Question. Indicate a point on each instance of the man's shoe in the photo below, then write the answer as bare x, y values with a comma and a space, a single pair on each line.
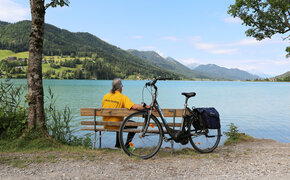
117, 147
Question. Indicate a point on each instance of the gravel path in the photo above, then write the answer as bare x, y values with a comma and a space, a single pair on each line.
259, 159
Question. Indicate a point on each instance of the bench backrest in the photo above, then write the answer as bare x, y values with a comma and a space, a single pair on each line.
123, 112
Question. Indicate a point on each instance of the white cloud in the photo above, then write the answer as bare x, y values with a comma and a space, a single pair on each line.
212, 48
232, 20
246, 42
171, 38
137, 37
226, 48
12, 12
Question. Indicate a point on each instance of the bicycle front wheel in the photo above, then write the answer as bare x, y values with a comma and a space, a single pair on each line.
205, 141
133, 142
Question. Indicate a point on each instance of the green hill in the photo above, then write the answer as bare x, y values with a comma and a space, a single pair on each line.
169, 64
104, 61
283, 77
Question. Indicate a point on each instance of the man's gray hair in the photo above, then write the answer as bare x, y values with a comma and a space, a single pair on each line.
116, 84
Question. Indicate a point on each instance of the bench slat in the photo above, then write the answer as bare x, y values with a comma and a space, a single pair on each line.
110, 123
117, 130
123, 112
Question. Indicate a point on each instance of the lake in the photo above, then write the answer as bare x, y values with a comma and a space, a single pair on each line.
260, 109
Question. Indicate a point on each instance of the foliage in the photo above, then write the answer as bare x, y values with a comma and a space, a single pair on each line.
59, 124
265, 17
13, 117
234, 136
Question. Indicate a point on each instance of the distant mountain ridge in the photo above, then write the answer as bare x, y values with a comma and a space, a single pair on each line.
169, 64
225, 73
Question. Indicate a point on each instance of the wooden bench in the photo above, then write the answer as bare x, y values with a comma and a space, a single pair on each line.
97, 125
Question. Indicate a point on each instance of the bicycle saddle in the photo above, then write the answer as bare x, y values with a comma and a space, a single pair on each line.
188, 95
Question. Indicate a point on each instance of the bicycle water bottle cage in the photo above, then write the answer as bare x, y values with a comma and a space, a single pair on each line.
188, 95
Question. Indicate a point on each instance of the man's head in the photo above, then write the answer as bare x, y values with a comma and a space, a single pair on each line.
116, 85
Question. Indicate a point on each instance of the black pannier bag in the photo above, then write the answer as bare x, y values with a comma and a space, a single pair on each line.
208, 118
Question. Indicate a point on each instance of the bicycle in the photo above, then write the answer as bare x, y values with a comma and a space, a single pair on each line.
150, 134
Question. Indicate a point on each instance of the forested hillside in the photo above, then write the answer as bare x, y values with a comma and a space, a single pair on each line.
2, 23
103, 61
283, 77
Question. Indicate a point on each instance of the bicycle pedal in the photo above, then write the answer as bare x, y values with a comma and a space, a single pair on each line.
167, 139
210, 136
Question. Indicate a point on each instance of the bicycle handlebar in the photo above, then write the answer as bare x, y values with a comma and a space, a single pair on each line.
152, 83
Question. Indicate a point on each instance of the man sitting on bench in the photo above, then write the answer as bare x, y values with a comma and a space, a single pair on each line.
115, 99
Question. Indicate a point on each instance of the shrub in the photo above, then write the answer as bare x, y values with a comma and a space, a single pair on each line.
13, 117
234, 136
58, 124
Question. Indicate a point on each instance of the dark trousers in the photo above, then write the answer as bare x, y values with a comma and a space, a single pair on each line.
130, 136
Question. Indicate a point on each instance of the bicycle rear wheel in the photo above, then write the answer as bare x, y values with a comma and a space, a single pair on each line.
131, 140
205, 141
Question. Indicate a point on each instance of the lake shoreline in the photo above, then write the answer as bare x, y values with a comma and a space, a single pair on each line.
259, 158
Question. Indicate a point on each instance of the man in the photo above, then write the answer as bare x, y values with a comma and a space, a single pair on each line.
115, 99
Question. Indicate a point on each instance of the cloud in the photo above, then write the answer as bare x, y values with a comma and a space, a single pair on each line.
232, 20
212, 48
170, 38
226, 48
12, 12
137, 37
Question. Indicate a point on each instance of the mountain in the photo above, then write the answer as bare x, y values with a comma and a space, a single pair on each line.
225, 73
193, 65
61, 42
283, 77
169, 64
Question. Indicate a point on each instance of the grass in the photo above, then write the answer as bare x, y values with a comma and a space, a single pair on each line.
63, 58
26, 150
6, 53
235, 137
241, 137
22, 54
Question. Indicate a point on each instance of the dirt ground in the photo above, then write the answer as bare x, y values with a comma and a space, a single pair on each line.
258, 159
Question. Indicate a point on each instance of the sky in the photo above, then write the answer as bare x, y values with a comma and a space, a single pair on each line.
190, 31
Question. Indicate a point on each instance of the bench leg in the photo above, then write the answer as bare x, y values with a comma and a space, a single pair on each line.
100, 139
95, 140
172, 144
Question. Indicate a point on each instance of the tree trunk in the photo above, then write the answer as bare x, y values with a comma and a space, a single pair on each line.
34, 72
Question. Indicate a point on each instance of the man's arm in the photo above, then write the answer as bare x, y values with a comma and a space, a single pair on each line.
139, 107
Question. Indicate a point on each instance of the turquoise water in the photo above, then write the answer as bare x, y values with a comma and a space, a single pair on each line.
260, 109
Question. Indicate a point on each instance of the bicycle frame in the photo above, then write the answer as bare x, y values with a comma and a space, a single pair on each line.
155, 105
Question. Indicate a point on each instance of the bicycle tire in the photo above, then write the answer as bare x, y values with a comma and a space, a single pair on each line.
143, 147
206, 140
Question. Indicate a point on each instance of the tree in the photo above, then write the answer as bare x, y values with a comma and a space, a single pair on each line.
34, 72
265, 17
